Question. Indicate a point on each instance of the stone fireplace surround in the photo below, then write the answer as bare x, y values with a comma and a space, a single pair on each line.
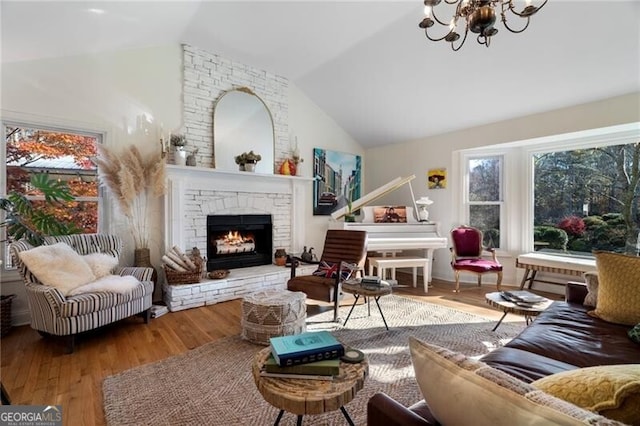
195, 192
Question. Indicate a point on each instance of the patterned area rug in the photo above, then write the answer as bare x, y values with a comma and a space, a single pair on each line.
213, 384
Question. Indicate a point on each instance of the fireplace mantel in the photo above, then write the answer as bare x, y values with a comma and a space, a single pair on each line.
241, 177
194, 192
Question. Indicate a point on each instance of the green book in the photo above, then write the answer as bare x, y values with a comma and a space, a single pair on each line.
326, 367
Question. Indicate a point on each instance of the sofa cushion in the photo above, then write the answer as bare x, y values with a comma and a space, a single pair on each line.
462, 391
565, 334
618, 288
612, 390
101, 264
99, 301
58, 266
524, 365
108, 284
316, 288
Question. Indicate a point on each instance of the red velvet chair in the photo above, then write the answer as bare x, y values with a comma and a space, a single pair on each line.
466, 255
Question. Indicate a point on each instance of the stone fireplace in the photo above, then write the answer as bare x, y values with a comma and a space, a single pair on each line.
198, 193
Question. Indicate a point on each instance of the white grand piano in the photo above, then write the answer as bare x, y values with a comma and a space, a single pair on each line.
389, 237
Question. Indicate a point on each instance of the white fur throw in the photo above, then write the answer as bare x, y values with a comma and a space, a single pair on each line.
110, 284
101, 264
59, 266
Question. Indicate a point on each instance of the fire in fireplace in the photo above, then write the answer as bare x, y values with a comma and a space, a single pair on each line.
238, 241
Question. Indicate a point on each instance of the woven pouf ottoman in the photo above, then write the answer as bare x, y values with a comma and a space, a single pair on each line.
272, 313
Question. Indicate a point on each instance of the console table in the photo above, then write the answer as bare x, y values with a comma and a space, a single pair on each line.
534, 262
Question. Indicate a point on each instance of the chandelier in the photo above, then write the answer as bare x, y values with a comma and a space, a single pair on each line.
479, 17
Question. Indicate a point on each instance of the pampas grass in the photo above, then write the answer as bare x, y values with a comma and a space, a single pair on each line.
133, 182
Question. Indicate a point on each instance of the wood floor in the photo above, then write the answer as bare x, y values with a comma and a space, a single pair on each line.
35, 370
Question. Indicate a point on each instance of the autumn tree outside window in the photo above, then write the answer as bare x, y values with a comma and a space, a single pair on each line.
64, 155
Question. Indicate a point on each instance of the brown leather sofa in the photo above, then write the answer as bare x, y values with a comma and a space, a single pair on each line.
562, 338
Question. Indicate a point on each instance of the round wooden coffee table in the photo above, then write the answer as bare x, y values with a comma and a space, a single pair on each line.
358, 289
306, 396
496, 300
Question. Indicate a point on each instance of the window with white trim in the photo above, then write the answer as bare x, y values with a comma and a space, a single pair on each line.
585, 184
485, 197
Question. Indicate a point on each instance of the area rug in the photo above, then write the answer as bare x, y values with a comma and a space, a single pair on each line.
213, 384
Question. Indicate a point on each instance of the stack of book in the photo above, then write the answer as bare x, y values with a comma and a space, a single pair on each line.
522, 298
371, 281
158, 310
311, 355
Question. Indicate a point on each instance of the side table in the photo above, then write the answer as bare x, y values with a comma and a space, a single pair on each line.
306, 396
496, 300
356, 288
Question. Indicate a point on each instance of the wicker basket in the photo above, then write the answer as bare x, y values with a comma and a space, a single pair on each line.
5, 314
176, 278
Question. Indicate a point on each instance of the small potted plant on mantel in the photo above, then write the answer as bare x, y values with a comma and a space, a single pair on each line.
180, 155
247, 161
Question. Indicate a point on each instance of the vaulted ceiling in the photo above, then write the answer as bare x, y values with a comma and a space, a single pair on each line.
365, 63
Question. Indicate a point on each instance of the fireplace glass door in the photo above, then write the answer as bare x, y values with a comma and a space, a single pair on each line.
238, 241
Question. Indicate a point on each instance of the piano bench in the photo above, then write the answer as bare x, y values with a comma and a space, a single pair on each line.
382, 263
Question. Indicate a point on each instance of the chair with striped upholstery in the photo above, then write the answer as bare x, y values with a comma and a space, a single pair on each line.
54, 314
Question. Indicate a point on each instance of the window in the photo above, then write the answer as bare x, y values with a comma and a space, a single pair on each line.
485, 196
587, 199
528, 194
65, 155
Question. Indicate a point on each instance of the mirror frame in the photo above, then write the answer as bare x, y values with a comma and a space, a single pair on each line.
248, 91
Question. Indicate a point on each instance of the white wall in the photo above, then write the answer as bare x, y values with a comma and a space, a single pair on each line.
416, 157
315, 129
125, 94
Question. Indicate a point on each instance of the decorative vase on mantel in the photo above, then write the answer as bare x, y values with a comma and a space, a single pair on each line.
180, 156
142, 258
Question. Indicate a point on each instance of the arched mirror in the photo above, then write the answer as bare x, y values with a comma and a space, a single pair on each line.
242, 123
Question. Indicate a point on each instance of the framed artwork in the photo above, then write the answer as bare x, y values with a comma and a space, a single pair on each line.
390, 214
338, 179
437, 178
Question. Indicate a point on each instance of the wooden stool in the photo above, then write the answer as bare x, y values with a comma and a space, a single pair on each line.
382, 263
272, 313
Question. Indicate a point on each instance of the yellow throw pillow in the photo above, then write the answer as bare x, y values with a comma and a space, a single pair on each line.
618, 288
611, 390
461, 391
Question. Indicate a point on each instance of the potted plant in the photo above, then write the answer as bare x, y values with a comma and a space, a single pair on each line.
180, 155
23, 220
247, 161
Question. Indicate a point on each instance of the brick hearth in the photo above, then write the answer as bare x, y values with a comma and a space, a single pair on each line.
239, 283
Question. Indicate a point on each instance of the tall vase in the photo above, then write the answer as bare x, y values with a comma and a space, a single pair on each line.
142, 258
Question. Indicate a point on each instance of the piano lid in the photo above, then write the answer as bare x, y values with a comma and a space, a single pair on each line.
376, 194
